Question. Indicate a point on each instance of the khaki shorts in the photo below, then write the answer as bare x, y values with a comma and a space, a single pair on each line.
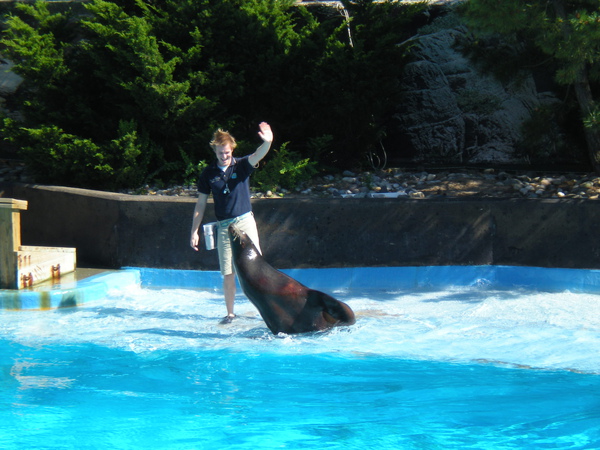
247, 224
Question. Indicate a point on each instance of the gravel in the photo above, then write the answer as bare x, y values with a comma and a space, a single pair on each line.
396, 183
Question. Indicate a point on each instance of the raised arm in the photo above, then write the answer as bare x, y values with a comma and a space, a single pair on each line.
266, 135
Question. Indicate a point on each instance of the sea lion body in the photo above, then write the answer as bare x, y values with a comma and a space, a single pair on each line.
285, 305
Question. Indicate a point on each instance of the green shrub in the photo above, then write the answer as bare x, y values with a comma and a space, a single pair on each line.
285, 169
593, 119
54, 156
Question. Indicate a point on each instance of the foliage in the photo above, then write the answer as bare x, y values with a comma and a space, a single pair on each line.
191, 169
350, 88
51, 154
543, 141
135, 88
541, 25
285, 169
593, 118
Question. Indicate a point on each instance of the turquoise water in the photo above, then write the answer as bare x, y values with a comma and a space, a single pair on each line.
86, 396
463, 367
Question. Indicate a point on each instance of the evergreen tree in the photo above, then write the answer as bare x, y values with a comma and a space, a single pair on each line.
131, 91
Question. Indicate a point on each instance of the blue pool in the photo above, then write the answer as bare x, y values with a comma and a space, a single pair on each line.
446, 357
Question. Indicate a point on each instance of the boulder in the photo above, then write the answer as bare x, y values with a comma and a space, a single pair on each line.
9, 81
452, 113
9, 84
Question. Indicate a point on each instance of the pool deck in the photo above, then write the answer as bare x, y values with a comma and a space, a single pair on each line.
88, 285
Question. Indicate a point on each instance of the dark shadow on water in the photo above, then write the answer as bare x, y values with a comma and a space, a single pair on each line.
476, 296
120, 312
180, 333
260, 333
254, 333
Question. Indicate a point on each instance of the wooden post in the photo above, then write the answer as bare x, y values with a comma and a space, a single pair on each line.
10, 240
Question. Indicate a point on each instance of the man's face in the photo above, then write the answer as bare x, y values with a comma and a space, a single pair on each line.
224, 154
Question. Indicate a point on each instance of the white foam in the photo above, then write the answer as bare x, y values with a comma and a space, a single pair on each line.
532, 329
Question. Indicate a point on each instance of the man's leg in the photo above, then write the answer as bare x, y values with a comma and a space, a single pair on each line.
226, 266
229, 290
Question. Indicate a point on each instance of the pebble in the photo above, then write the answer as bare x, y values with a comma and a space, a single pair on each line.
394, 183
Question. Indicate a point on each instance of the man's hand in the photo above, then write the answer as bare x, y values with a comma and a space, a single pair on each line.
266, 135
195, 239
265, 132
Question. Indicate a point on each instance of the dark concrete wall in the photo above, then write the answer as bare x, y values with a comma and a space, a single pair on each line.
114, 230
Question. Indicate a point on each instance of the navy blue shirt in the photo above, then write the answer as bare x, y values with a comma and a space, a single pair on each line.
230, 189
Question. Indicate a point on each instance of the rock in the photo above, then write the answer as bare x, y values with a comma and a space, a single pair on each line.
452, 113
526, 189
9, 81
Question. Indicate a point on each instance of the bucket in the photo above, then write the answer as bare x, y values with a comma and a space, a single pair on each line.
209, 230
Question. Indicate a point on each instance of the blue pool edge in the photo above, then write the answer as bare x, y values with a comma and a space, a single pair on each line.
399, 278
330, 279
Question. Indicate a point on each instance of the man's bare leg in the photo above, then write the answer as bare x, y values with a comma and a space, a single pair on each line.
229, 290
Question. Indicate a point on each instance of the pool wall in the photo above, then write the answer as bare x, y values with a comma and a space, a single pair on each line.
331, 280
398, 278
115, 230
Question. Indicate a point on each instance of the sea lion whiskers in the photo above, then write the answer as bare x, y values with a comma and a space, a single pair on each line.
236, 234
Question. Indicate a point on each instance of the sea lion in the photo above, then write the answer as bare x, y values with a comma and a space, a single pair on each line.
285, 305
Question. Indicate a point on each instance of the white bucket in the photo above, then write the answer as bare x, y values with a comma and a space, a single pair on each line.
210, 238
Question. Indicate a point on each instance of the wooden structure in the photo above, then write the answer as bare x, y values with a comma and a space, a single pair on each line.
24, 266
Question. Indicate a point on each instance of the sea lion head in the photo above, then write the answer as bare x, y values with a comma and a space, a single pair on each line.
241, 243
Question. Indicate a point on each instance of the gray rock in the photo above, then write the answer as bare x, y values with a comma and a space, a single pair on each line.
9, 81
452, 113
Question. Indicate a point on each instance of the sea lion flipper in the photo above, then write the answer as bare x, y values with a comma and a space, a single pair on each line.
329, 318
334, 311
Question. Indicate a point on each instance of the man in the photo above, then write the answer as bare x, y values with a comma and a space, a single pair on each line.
228, 179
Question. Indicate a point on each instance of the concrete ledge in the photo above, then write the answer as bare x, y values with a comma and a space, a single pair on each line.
117, 230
